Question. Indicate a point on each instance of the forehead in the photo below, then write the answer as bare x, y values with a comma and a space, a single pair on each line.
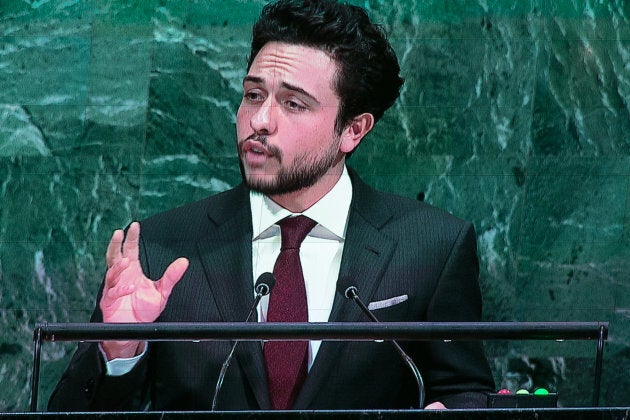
298, 65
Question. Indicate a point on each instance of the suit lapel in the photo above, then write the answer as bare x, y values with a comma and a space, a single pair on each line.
226, 255
366, 255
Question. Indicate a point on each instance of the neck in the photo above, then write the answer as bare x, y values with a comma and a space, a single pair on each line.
301, 200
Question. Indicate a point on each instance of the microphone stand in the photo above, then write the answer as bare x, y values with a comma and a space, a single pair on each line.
351, 292
263, 286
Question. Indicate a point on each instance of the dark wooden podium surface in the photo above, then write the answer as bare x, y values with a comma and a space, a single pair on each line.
603, 413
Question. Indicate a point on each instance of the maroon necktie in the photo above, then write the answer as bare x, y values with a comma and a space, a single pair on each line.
287, 360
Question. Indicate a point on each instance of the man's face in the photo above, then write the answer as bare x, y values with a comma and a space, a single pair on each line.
286, 121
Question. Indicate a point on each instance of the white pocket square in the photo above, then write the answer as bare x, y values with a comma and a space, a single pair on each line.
380, 304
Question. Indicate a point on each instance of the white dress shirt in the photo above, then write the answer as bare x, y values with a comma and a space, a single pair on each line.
320, 253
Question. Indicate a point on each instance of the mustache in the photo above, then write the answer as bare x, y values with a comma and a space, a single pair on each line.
262, 139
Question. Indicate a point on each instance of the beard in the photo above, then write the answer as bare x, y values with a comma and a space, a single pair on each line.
304, 172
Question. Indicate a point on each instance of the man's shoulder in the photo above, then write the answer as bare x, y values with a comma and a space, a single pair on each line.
193, 216
400, 208
408, 210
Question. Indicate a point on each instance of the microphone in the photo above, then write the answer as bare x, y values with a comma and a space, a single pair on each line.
349, 291
263, 287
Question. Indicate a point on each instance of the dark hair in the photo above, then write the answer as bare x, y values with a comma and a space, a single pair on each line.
368, 77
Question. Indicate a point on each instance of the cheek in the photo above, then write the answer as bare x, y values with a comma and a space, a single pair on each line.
323, 139
242, 119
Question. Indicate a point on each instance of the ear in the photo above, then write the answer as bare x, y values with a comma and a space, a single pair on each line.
354, 132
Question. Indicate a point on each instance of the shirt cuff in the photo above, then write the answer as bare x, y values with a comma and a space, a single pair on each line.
119, 367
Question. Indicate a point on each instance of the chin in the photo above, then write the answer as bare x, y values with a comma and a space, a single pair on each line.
261, 183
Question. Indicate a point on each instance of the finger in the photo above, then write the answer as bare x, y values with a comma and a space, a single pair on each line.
435, 406
120, 291
173, 274
114, 249
114, 273
130, 246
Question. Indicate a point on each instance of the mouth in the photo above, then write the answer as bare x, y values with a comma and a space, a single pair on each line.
259, 147
255, 148
255, 152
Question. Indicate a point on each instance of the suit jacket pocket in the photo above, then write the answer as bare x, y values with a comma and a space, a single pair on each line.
394, 309
386, 303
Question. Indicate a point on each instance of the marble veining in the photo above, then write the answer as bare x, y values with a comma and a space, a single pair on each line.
515, 115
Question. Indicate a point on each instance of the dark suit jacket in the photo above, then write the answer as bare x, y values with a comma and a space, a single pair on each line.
394, 246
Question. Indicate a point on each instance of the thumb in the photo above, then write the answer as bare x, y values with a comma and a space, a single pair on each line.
173, 274
435, 406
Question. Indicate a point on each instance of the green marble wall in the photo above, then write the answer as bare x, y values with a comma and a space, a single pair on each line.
515, 115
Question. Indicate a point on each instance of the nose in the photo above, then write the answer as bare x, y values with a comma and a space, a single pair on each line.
263, 121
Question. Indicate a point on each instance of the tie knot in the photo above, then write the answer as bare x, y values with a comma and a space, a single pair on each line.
294, 230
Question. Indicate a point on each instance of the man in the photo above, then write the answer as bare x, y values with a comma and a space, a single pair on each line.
320, 75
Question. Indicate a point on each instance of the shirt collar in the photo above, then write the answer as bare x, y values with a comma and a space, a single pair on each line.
330, 212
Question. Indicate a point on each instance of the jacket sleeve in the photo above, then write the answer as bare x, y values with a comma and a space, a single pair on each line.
85, 385
457, 373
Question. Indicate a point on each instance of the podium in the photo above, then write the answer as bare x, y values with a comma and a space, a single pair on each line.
360, 331
610, 413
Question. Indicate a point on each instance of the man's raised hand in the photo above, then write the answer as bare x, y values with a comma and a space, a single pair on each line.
128, 295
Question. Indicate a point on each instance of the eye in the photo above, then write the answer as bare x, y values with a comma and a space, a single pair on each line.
294, 106
253, 96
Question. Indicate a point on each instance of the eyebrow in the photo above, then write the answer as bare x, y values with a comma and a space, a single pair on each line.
285, 85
